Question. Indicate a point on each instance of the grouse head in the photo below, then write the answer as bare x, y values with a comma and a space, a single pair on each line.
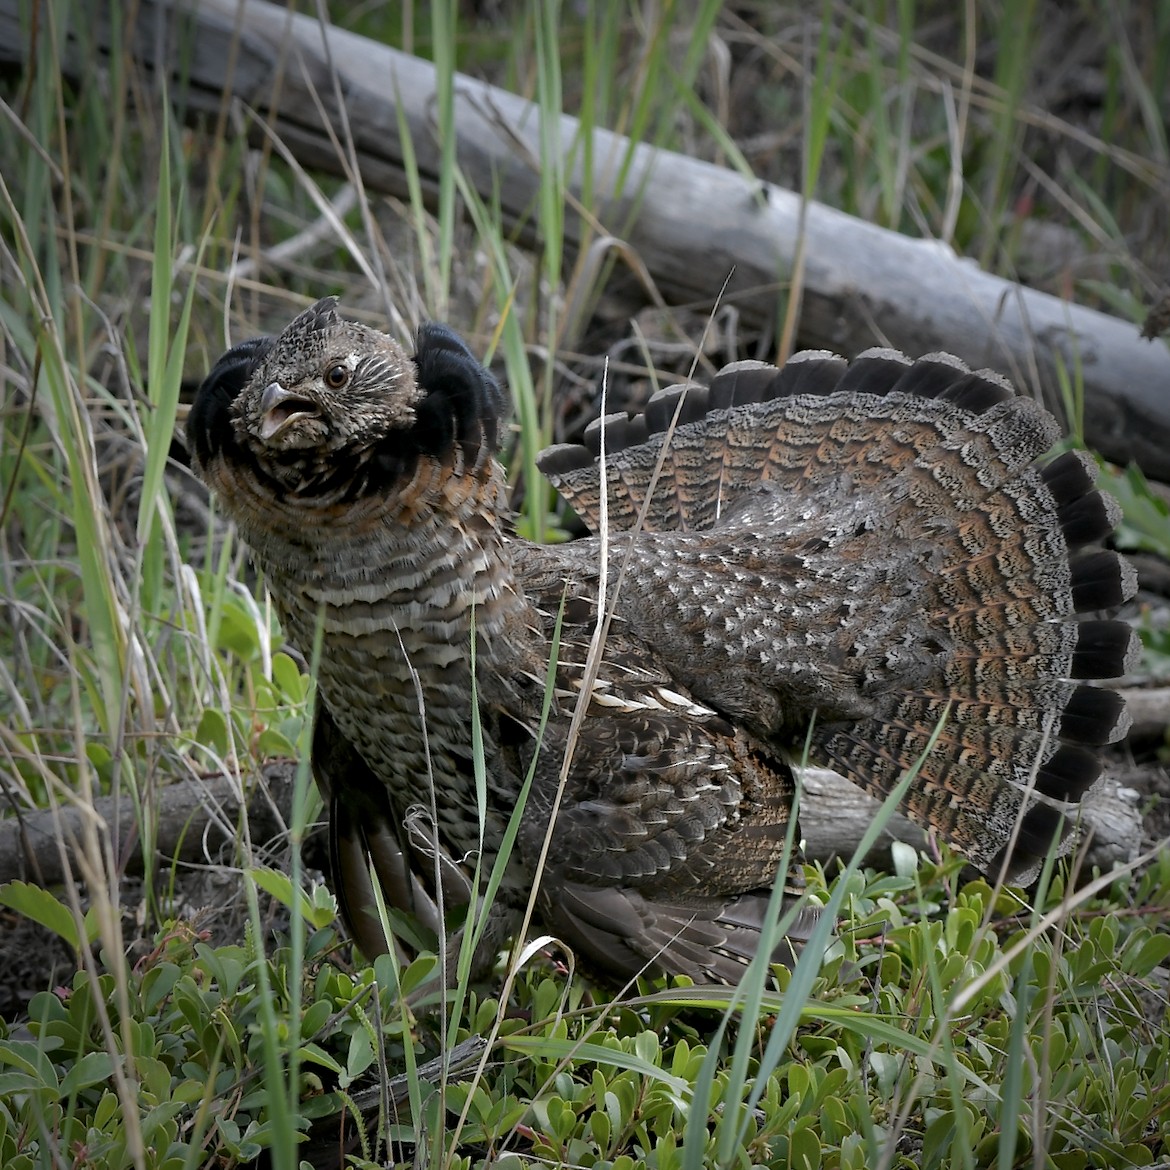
333, 405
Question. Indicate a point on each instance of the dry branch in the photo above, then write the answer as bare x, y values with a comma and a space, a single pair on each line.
196, 821
197, 824
1149, 708
690, 222
835, 814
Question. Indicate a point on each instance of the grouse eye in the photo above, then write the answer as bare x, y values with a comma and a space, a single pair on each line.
336, 377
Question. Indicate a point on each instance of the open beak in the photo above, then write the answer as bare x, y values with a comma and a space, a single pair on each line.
279, 407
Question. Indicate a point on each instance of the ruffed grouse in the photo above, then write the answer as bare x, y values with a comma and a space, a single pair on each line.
878, 544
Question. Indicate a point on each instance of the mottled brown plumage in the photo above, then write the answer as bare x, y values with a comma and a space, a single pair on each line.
877, 547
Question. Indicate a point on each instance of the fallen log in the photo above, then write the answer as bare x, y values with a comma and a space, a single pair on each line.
1149, 708
196, 823
690, 222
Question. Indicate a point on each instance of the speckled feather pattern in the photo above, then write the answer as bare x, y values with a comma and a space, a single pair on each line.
889, 560
880, 544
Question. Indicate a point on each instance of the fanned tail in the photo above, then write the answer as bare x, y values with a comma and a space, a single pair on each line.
1019, 729
981, 641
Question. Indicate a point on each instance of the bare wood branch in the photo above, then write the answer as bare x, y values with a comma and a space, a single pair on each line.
690, 222
1149, 708
835, 814
196, 822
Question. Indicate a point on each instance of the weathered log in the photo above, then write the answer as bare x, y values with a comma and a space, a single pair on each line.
196, 822
1149, 709
691, 223
835, 814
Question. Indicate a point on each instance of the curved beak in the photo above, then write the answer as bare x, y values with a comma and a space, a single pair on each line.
278, 408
